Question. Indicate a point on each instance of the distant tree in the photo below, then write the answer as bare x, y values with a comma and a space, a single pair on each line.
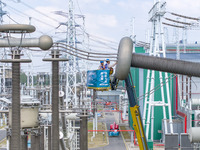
23, 78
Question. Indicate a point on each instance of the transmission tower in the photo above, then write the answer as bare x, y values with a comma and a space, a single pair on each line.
72, 64
75, 66
157, 36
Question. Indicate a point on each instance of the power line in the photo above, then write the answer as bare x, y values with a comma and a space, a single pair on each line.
58, 44
156, 88
12, 19
32, 17
92, 56
173, 25
187, 17
103, 43
79, 7
186, 23
98, 37
39, 12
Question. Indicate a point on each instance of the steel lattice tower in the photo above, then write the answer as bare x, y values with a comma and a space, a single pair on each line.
157, 36
72, 64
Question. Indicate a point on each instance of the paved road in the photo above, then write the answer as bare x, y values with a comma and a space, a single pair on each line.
115, 143
2, 134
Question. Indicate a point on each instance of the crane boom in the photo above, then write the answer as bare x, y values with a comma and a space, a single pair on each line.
135, 113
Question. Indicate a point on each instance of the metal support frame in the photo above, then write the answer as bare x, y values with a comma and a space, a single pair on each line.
156, 14
63, 122
55, 98
72, 65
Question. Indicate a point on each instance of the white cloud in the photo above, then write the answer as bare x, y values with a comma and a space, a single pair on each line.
184, 6
95, 22
106, 1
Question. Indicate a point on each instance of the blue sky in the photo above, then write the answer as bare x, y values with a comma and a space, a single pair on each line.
106, 19
110, 19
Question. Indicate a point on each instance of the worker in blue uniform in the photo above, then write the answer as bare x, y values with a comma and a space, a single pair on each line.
101, 66
108, 65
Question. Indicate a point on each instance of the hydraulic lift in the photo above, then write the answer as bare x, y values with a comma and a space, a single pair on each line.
135, 113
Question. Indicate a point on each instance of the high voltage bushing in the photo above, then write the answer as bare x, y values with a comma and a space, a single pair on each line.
44, 43
126, 60
55, 97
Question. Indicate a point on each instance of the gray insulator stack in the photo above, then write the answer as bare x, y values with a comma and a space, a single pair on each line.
55, 105
15, 135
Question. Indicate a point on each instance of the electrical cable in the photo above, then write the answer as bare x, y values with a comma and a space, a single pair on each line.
12, 19
23, 14
87, 55
187, 17
57, 43
156, 88
33, 17
25, 4
91, 45
186, 23
98, 37
103, 44
173, 25
79, 7
82, 57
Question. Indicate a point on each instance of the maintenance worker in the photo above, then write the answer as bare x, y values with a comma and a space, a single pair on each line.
114, 81
108, 65
101, 66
